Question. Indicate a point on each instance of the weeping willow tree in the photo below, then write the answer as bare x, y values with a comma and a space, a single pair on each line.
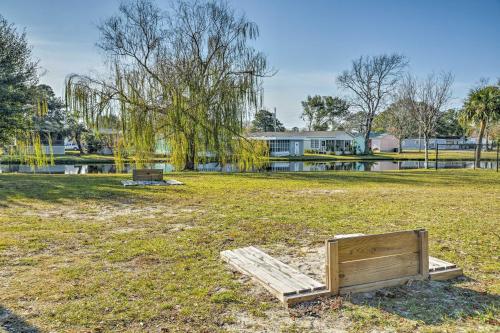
188, 77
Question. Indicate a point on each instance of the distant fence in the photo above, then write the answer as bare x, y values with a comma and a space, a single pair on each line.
468, 147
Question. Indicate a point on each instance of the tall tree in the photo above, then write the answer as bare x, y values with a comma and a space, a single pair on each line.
425, 99
322, 112
481, 107
18, 77
448, 124
265, 121
370, 81
399, 121
188, 75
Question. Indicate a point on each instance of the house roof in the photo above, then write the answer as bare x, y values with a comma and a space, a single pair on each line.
299, 135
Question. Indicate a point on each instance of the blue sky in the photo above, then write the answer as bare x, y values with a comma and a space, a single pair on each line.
308, 42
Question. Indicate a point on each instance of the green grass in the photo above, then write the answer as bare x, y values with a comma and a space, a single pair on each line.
83, 253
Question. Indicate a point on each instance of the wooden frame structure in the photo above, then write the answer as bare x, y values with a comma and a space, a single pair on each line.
368, 262
354, 263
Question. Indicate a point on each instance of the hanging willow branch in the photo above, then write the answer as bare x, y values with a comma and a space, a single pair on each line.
187, 76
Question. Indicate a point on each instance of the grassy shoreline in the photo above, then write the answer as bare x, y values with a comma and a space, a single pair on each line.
75, 158
83, 253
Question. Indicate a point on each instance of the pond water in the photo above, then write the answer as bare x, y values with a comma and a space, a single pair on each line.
297, 166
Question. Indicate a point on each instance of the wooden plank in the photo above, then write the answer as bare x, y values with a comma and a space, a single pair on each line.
294, 299
340, 236
447, 274
378, 285
378, 269
423, 254
147, 174
282, 284
333, 267
274, 286
371, 246
291, 273
436, 264
272, 271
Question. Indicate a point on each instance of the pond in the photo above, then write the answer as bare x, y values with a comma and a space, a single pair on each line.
295, 166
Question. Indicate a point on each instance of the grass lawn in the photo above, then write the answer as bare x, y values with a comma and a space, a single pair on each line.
84, 254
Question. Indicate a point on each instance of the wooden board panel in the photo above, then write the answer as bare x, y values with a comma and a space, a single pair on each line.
279, 278
286, 269
294, 277
269, 282
378, 269
147, 174
378, 285
371, 246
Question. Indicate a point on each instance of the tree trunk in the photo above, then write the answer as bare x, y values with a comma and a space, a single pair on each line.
426, 151
419, 139
400, 149
190, 157
479, 145
367, 141
78, 140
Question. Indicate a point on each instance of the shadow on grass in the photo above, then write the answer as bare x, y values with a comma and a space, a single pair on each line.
433, 302
411, 177
12, 323
57, 188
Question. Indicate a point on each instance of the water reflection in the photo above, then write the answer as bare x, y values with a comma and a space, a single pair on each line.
271, 167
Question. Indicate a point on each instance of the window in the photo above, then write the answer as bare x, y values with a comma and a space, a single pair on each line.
314, 144
279, 146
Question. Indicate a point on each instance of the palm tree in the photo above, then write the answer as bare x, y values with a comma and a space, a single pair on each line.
481, 107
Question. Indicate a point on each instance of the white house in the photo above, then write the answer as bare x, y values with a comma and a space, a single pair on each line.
296, 143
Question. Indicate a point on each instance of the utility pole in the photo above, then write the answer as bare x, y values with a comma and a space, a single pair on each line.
275, 119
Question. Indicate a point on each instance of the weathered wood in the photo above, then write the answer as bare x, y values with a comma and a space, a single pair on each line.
294, 278
147, 174
274, 286
378, 285
372, 246
333, 266
354, 263
287, 270
446, 274
294, 299
423, 254
280, 279
436, 264
378, 269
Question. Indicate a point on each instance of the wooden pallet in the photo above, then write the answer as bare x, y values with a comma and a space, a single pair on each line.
280, 279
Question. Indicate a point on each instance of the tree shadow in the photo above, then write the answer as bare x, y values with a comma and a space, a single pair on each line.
60, 188
13, 323
432, 302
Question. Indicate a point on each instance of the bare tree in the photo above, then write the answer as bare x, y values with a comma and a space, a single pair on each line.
425, 99
371, 80
398, 121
